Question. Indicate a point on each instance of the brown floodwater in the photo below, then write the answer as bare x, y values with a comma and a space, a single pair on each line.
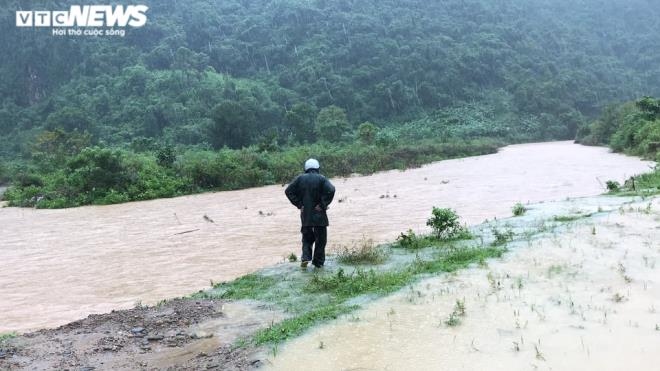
61, 265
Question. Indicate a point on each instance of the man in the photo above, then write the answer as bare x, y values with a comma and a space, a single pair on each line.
311, 192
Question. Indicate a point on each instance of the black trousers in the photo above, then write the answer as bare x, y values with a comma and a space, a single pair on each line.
317, 236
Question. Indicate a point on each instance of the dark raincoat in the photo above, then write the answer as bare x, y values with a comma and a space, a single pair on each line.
306, 192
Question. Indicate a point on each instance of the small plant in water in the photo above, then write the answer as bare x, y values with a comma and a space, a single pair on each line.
459, 307
539, 355
453, 320
613, 186
293, 258
519, 283
501, 237
519, 209
455, 316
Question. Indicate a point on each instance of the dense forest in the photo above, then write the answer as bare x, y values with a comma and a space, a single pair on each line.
235, 93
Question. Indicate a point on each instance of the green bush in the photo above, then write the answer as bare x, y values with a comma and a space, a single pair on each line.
613, 186
445, 223
519, 209
410, 240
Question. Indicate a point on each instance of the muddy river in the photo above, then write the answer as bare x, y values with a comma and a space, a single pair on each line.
60, 265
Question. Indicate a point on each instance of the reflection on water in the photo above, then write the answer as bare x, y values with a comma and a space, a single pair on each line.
60, 265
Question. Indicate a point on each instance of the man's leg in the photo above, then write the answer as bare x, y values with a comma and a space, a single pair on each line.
321, 237
307, 241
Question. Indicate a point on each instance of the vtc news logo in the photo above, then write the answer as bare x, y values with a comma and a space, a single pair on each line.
85, 16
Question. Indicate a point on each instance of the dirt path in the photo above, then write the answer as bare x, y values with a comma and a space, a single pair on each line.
57, 266
178, 334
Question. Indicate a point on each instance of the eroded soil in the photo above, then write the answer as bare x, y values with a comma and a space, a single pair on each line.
177, 334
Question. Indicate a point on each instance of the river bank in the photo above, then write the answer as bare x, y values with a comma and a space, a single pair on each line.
564, 294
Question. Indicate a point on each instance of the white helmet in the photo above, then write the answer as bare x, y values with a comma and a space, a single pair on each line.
312, 164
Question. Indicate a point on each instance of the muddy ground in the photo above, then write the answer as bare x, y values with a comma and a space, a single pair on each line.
177, 335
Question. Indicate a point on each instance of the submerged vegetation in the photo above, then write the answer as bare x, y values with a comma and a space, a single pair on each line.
310, 298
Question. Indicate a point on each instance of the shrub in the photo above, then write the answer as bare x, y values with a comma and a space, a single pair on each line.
445, 224
613, 186
410, 240
519, 209
367, 132
165, 156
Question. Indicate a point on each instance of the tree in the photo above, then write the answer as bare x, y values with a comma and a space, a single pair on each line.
97, 170
57, 145
331, 124
233, 125
300, 120
68, 119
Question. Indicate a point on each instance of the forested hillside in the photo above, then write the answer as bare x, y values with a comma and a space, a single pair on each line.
278, 76
632, 127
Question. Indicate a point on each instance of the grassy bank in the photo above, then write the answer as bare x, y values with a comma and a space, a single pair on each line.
316, 297
362, 273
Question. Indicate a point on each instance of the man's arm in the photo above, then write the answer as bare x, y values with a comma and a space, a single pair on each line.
293, 194
327, 194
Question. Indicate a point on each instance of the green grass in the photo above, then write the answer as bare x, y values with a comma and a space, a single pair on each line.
246, 287
313, 298
365, 252
295, 326
567, 218
412, 241
456, 259
309, 298
7, 335
344, 286
647, 184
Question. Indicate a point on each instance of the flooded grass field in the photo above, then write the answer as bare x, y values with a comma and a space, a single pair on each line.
581, 297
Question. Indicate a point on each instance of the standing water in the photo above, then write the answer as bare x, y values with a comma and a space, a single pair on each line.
577, 299
60, 265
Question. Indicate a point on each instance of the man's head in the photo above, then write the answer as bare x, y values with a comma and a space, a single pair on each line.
312, 165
